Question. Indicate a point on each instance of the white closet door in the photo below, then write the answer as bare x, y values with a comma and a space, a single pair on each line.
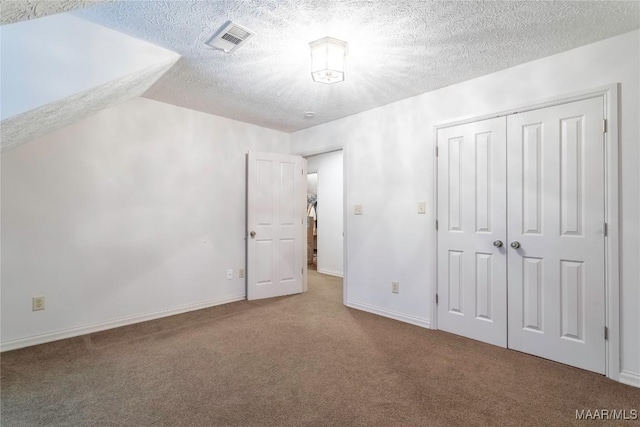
556, 214
471, 216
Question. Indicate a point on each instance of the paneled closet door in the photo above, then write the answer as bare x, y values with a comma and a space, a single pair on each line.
556, 249
472, 231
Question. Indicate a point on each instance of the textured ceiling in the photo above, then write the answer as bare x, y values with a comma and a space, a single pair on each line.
397, 49
20, 10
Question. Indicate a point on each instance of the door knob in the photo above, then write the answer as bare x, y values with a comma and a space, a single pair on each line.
515, 244
252, 234
497, 243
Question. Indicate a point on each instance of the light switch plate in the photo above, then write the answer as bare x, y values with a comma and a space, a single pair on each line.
422, 208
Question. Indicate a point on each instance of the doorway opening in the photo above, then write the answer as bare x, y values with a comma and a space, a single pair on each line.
312, 221
325, 213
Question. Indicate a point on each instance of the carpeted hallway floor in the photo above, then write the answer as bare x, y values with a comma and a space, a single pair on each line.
303, 360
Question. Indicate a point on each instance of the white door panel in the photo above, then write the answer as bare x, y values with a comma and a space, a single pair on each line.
275, 223
534, 179
556, 213
471, 216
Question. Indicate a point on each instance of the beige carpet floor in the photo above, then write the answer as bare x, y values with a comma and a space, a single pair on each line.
303, 360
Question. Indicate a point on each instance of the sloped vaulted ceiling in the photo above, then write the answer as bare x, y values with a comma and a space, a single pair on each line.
21, 128
60, 69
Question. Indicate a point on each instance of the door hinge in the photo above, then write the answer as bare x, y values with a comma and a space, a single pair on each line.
437, 151
302, 270
436, 224
436, 299
604, 125
606, 333
606, 229
301, 171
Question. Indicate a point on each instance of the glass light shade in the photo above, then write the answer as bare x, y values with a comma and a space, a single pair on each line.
327, 60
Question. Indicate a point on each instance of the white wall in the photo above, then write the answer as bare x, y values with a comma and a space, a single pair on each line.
133, 213
389, 161
329, 167
312, 183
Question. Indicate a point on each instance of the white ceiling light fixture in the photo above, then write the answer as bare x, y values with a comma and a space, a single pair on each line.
327, 60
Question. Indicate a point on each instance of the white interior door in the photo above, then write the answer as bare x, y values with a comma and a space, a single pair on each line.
556, 216
534, 181
276, 210
472, 298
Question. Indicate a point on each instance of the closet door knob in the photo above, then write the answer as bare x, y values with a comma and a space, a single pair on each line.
252, 234
515, 244
497, 243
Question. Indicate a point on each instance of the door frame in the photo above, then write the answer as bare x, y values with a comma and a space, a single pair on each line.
610, 94
345, 264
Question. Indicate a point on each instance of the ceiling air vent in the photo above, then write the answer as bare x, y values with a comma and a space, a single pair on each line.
230, 37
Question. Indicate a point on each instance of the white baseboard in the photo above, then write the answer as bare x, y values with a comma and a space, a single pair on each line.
418, 321
630, 378
116, 323
330, 273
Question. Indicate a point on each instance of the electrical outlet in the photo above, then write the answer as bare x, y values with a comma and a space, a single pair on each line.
241, 273
37, 303
357, 209
395, 287
229, 273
